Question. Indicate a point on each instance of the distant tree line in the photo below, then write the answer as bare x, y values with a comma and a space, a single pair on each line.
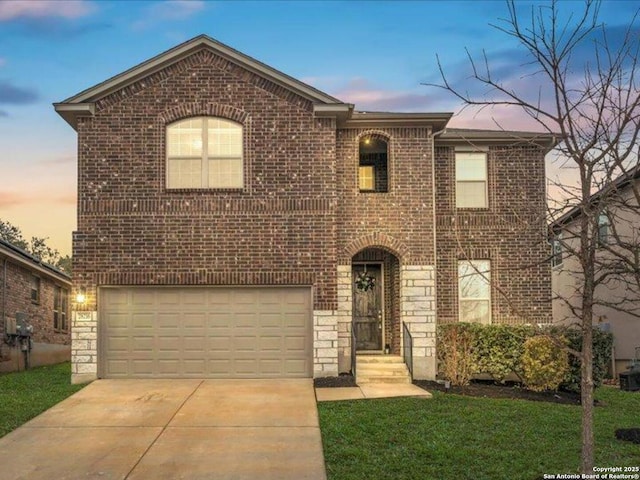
37, 247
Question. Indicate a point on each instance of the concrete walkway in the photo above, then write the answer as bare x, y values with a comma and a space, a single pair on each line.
371, 390
172, 429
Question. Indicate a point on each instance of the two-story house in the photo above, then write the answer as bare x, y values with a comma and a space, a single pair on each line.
235, 222
614, 213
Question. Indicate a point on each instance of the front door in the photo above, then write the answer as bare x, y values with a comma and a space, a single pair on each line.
367, 306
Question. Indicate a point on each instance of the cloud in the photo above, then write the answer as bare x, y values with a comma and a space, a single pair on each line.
496, 118
68, 159
4, 113
11, 94
10, 198
169, 10
41, 9
368, 97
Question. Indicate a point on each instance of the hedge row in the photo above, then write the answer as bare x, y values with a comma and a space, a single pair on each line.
537, 357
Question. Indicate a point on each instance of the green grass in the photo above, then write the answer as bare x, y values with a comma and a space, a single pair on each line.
456, 437
23, 395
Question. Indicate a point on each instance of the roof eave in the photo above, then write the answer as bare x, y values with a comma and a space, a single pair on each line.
544, 140
340, 111
437, 121
28, 261
71, 112
620, 183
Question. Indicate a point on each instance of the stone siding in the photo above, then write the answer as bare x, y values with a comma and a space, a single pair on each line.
418, 305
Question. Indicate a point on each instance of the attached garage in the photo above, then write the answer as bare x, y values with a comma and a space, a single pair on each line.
205, 332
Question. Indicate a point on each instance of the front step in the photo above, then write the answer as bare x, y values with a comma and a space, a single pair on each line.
381, 369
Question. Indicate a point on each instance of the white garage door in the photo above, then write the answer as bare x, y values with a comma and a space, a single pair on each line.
198, 332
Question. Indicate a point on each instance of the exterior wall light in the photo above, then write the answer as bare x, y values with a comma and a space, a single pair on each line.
81, 296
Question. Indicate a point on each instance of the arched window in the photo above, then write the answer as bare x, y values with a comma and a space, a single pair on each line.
204, 152
372, 172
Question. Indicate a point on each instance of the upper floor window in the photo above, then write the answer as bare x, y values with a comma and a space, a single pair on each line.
204, 152
35, 289
474, 291
60, 307
471, 180
372, 172
604, 226
556, 250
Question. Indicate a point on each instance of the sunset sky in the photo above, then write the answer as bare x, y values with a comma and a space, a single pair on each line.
374, 54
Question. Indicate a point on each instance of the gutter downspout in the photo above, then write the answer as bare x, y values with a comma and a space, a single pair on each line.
4, 301
435, 226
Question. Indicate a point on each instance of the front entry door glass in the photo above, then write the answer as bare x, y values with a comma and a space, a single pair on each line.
367, 306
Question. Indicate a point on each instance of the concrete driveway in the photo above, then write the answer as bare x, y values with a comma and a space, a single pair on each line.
172, 429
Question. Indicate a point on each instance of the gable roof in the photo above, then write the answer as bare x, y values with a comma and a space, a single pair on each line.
616, 185
81, 104
26, 260
324, 105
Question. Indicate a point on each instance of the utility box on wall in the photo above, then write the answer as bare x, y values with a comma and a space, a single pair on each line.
9, 326
630, 380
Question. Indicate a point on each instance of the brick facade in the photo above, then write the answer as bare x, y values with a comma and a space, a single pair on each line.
49, 346
511, 233
300, 218
279, 229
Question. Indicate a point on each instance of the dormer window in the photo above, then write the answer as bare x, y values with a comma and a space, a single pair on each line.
372, 171
204, 152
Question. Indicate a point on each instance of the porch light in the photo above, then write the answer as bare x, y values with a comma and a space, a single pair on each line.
81, 296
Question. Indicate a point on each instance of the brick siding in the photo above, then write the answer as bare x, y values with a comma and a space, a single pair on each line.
300, 218
279, 229
511, 233
39, 314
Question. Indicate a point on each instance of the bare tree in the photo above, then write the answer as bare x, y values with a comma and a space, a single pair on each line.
579, 80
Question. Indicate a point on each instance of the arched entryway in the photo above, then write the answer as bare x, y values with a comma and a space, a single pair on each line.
376, 320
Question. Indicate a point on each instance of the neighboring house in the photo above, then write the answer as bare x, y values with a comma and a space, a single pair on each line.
236, 222
618, 219
38, 294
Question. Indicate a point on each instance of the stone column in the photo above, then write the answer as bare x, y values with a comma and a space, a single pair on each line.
418, 311
325, 343
84, 347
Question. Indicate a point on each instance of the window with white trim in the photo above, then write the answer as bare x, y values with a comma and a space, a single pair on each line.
556, 250
471, 180
474, 291
603, 228
204, 152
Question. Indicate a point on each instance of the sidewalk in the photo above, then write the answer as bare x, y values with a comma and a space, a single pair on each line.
370, 390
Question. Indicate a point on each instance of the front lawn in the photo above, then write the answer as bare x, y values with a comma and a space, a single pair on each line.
23, 395
456, 437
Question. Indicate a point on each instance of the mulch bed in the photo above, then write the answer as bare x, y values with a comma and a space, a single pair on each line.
489, 389
629, 434
344, 380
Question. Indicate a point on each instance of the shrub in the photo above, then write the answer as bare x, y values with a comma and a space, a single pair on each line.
602, 345
544, 363
498, 349
455, 352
